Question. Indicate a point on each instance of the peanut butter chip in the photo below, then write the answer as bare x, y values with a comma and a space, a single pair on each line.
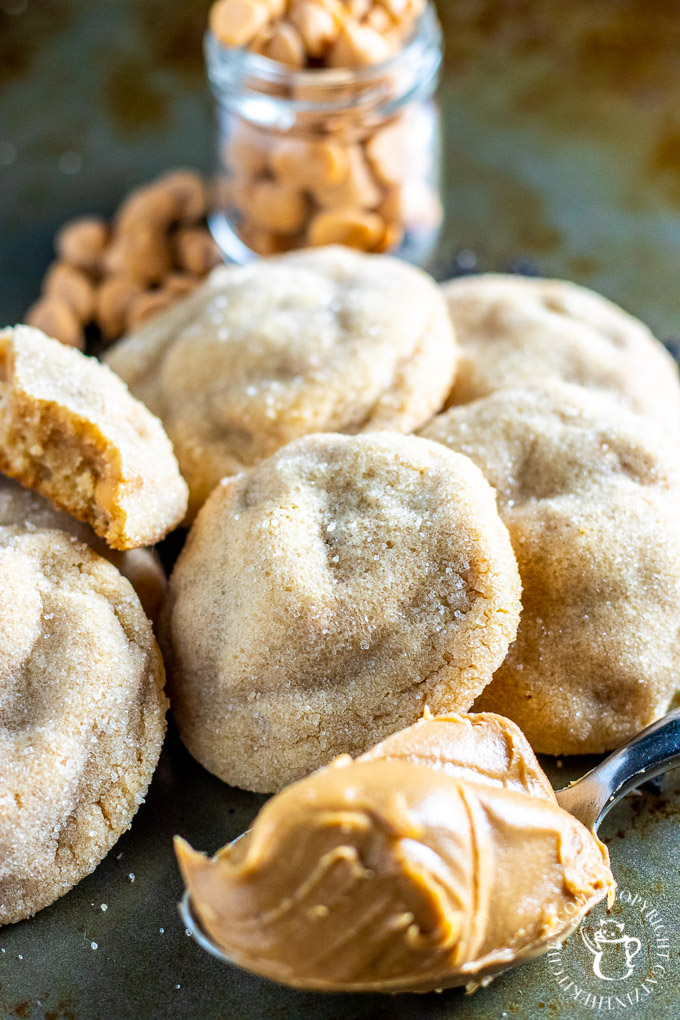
261, 41
379, 20
391, 239
72, 286
400, 9
114, 298
359, 46
56, 318
236, 22
310, 164
81, 243
316, 25
275, 7
276, 207
143, 254
195, 250
152, 204
285, 46
357, 189
351, 227
359, 9
188, 191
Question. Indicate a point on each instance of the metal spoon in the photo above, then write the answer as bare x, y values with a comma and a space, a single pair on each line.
654, 750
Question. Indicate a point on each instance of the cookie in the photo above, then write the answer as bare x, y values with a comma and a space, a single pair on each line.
518, 332
591, 497
142, 567
70, 430
82, 714
327, 596
420, 865
324, 341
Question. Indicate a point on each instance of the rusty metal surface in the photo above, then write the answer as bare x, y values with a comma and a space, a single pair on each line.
563, 155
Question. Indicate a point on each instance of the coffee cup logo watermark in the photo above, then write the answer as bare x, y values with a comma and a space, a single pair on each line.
615, 961
613, 951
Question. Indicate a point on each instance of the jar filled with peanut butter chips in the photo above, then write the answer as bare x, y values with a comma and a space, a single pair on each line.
327, 129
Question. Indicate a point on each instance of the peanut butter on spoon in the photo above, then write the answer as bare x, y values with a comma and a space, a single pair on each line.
438, 858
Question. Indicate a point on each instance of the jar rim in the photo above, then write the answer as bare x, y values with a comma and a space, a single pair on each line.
228, 66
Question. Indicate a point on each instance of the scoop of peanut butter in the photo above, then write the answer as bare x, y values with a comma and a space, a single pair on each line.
437, 858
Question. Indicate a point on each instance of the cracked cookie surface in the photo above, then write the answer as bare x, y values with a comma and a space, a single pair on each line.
327, 596
70, 429
591, 497
328, 340
82, 714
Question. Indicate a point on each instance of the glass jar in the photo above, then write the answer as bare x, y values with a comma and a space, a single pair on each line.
326, 156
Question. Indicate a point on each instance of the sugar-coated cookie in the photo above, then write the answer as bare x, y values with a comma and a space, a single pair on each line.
591, 498
327, 596
324, 341
70, 429
142, 567
518, 332
82, 714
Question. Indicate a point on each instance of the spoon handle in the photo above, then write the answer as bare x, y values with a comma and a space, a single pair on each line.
652, 751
